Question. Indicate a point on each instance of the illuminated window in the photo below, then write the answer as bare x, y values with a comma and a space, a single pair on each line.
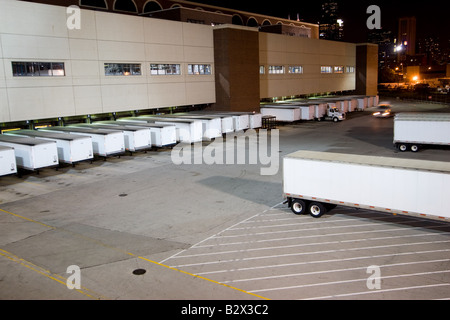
326, 69
295, 69
165, 69
262, 70
350, 69
276, 69
338, 69
38, 69
199, 69
122, 69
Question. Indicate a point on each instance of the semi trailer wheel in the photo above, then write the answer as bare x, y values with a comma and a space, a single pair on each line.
298, 206
402, 147
317, 209
414, 148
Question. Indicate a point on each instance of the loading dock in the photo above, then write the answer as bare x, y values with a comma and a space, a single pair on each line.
71, 148
8, 163
31, 154
135, 139
104, 142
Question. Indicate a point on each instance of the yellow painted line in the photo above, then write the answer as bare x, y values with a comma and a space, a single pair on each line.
27, 219
48, 274
131, 254
203, 278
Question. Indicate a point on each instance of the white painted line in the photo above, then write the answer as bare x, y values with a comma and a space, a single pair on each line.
301, 230
322, 261
380, 291
311, 253
352, 280
322, 235
215, 235
334, 270
300, 245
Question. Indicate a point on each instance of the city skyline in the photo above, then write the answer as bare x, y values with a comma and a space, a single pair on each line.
431, 18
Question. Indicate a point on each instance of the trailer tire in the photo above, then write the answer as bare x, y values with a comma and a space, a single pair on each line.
317, 209
402, 147
298, 206
414, 148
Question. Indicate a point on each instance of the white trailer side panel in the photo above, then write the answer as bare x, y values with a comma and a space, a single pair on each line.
284, 114
8, 163
393, 185
431, 128
307, 112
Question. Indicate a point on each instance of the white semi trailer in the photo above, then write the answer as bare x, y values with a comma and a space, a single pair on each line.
8, 163
315, 182
415, 130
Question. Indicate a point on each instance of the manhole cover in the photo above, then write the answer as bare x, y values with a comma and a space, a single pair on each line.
139, 272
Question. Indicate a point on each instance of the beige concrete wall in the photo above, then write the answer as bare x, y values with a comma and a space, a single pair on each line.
288, 51
37, 32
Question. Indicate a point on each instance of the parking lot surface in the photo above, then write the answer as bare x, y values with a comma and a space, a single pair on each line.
141, 227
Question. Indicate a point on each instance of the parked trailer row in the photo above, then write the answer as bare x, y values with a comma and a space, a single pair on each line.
104, 142
135, 138
333, 108
162, 135
315, 182
71, 148
187, 130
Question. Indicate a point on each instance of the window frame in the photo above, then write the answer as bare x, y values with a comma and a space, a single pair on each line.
165, 69
326, 69
276, 69
295, 69
124, 69
203, 69
38, 69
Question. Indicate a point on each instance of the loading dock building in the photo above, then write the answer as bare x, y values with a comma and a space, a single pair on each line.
162, 54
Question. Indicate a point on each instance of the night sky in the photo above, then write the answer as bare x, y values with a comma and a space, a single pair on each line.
432, 16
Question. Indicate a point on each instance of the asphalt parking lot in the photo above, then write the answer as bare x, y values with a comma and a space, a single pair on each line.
140, 227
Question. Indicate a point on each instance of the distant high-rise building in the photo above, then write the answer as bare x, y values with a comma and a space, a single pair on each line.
331, 27
406, 41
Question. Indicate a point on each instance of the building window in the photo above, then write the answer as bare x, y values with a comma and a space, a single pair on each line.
338, 69
295, 69
326, 69
350, 69
38, 69
262, 70
125, 5
165, 69
122, 69
276, 69
199, 69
